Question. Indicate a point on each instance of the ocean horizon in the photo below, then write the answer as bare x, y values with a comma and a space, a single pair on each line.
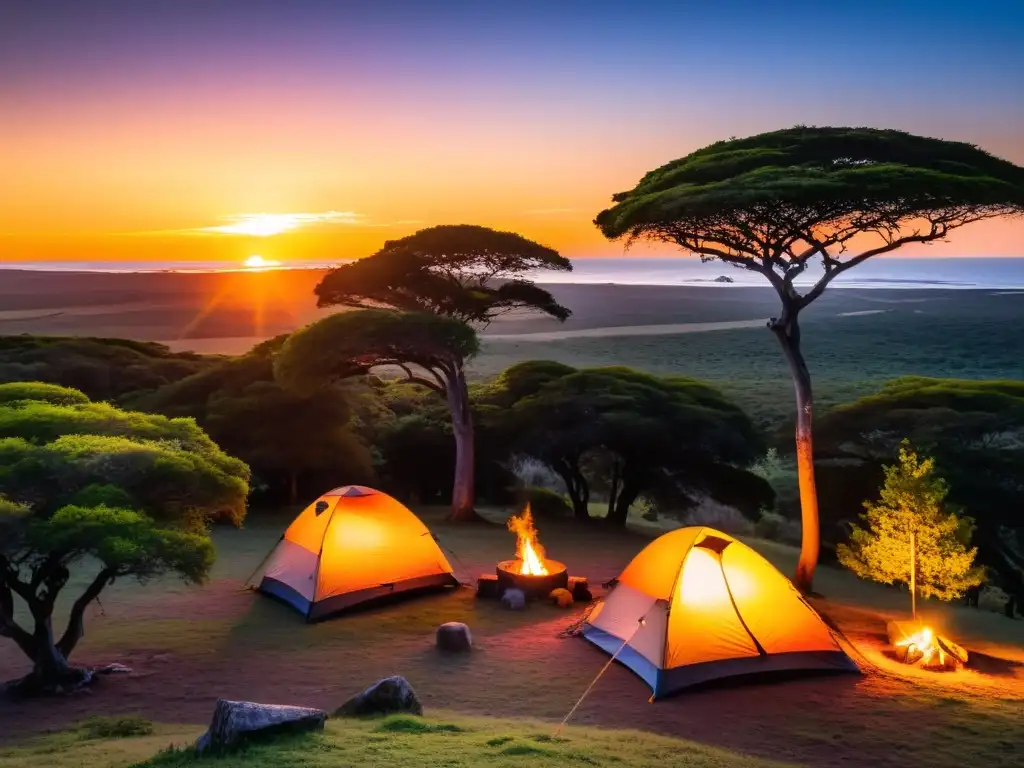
887, 272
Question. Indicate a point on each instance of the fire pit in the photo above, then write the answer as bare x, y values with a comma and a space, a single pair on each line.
511, 574
530, 571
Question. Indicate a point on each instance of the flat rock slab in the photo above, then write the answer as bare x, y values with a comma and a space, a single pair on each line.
234, 721
387, 696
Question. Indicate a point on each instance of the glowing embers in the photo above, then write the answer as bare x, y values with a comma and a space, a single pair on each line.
919, 645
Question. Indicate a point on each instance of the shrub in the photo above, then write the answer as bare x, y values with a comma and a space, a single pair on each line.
776, 527
715, 515
545, 503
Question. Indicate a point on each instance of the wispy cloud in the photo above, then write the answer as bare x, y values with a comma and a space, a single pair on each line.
270, 224
549, 211
267, 224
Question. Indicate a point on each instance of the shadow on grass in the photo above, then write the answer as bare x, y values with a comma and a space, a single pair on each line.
992, 665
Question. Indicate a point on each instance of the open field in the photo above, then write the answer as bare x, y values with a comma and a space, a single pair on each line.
854, 339
189, 646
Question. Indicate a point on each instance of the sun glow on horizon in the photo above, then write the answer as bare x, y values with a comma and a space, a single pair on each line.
258, 262
269, 224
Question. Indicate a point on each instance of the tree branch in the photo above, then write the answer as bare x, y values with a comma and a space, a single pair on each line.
414, 379
8, 626
76, 624
937, 232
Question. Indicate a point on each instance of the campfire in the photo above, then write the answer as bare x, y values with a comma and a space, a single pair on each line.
531, 571
529, 552
922, 646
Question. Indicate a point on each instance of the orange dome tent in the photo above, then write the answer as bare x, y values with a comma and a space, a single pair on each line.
351, 545
697, 605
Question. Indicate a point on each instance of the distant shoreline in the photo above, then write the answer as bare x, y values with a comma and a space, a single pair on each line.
865, 283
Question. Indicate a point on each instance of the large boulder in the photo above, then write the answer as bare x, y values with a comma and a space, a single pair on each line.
454, 637
392, 694
235, 721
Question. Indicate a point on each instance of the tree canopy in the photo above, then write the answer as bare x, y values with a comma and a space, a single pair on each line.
669, 436
467, 272
85, 485
293, 441
103, 369
774, 201
422, 345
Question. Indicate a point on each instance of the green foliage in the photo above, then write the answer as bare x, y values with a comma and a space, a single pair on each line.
40, 392
122, 540
546, 503
104, 369
465, 272
829, 177
640, 433
911, 504
353, 343
292, 441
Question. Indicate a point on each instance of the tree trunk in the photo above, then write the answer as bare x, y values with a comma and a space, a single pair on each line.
457, 392
293, 486
613, 489
51, 672
577, 487
628, 493
787, 331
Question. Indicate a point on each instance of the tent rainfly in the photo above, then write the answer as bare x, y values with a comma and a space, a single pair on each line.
352, 545
697, 605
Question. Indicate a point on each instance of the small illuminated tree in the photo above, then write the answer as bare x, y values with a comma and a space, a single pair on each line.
909, 538
777, 202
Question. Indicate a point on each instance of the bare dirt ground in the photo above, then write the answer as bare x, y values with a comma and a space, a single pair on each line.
189, 646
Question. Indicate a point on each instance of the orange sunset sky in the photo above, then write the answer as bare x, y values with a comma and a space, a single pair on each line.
157, 131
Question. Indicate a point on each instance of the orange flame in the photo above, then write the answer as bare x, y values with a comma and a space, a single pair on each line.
528, 550
924, 642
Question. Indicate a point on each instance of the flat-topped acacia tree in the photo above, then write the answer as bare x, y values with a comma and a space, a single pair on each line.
777, 202
468, 274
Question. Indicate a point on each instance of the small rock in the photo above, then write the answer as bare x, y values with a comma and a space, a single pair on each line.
561, 597
113, 669
392, 694
514, 599
235, 720
454, 637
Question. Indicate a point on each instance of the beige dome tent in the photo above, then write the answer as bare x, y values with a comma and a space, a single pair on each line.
696, 605
351, 545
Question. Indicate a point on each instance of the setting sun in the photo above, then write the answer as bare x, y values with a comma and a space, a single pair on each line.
258, 262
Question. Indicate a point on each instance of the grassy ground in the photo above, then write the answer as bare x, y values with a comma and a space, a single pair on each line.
189, 646
448, 740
